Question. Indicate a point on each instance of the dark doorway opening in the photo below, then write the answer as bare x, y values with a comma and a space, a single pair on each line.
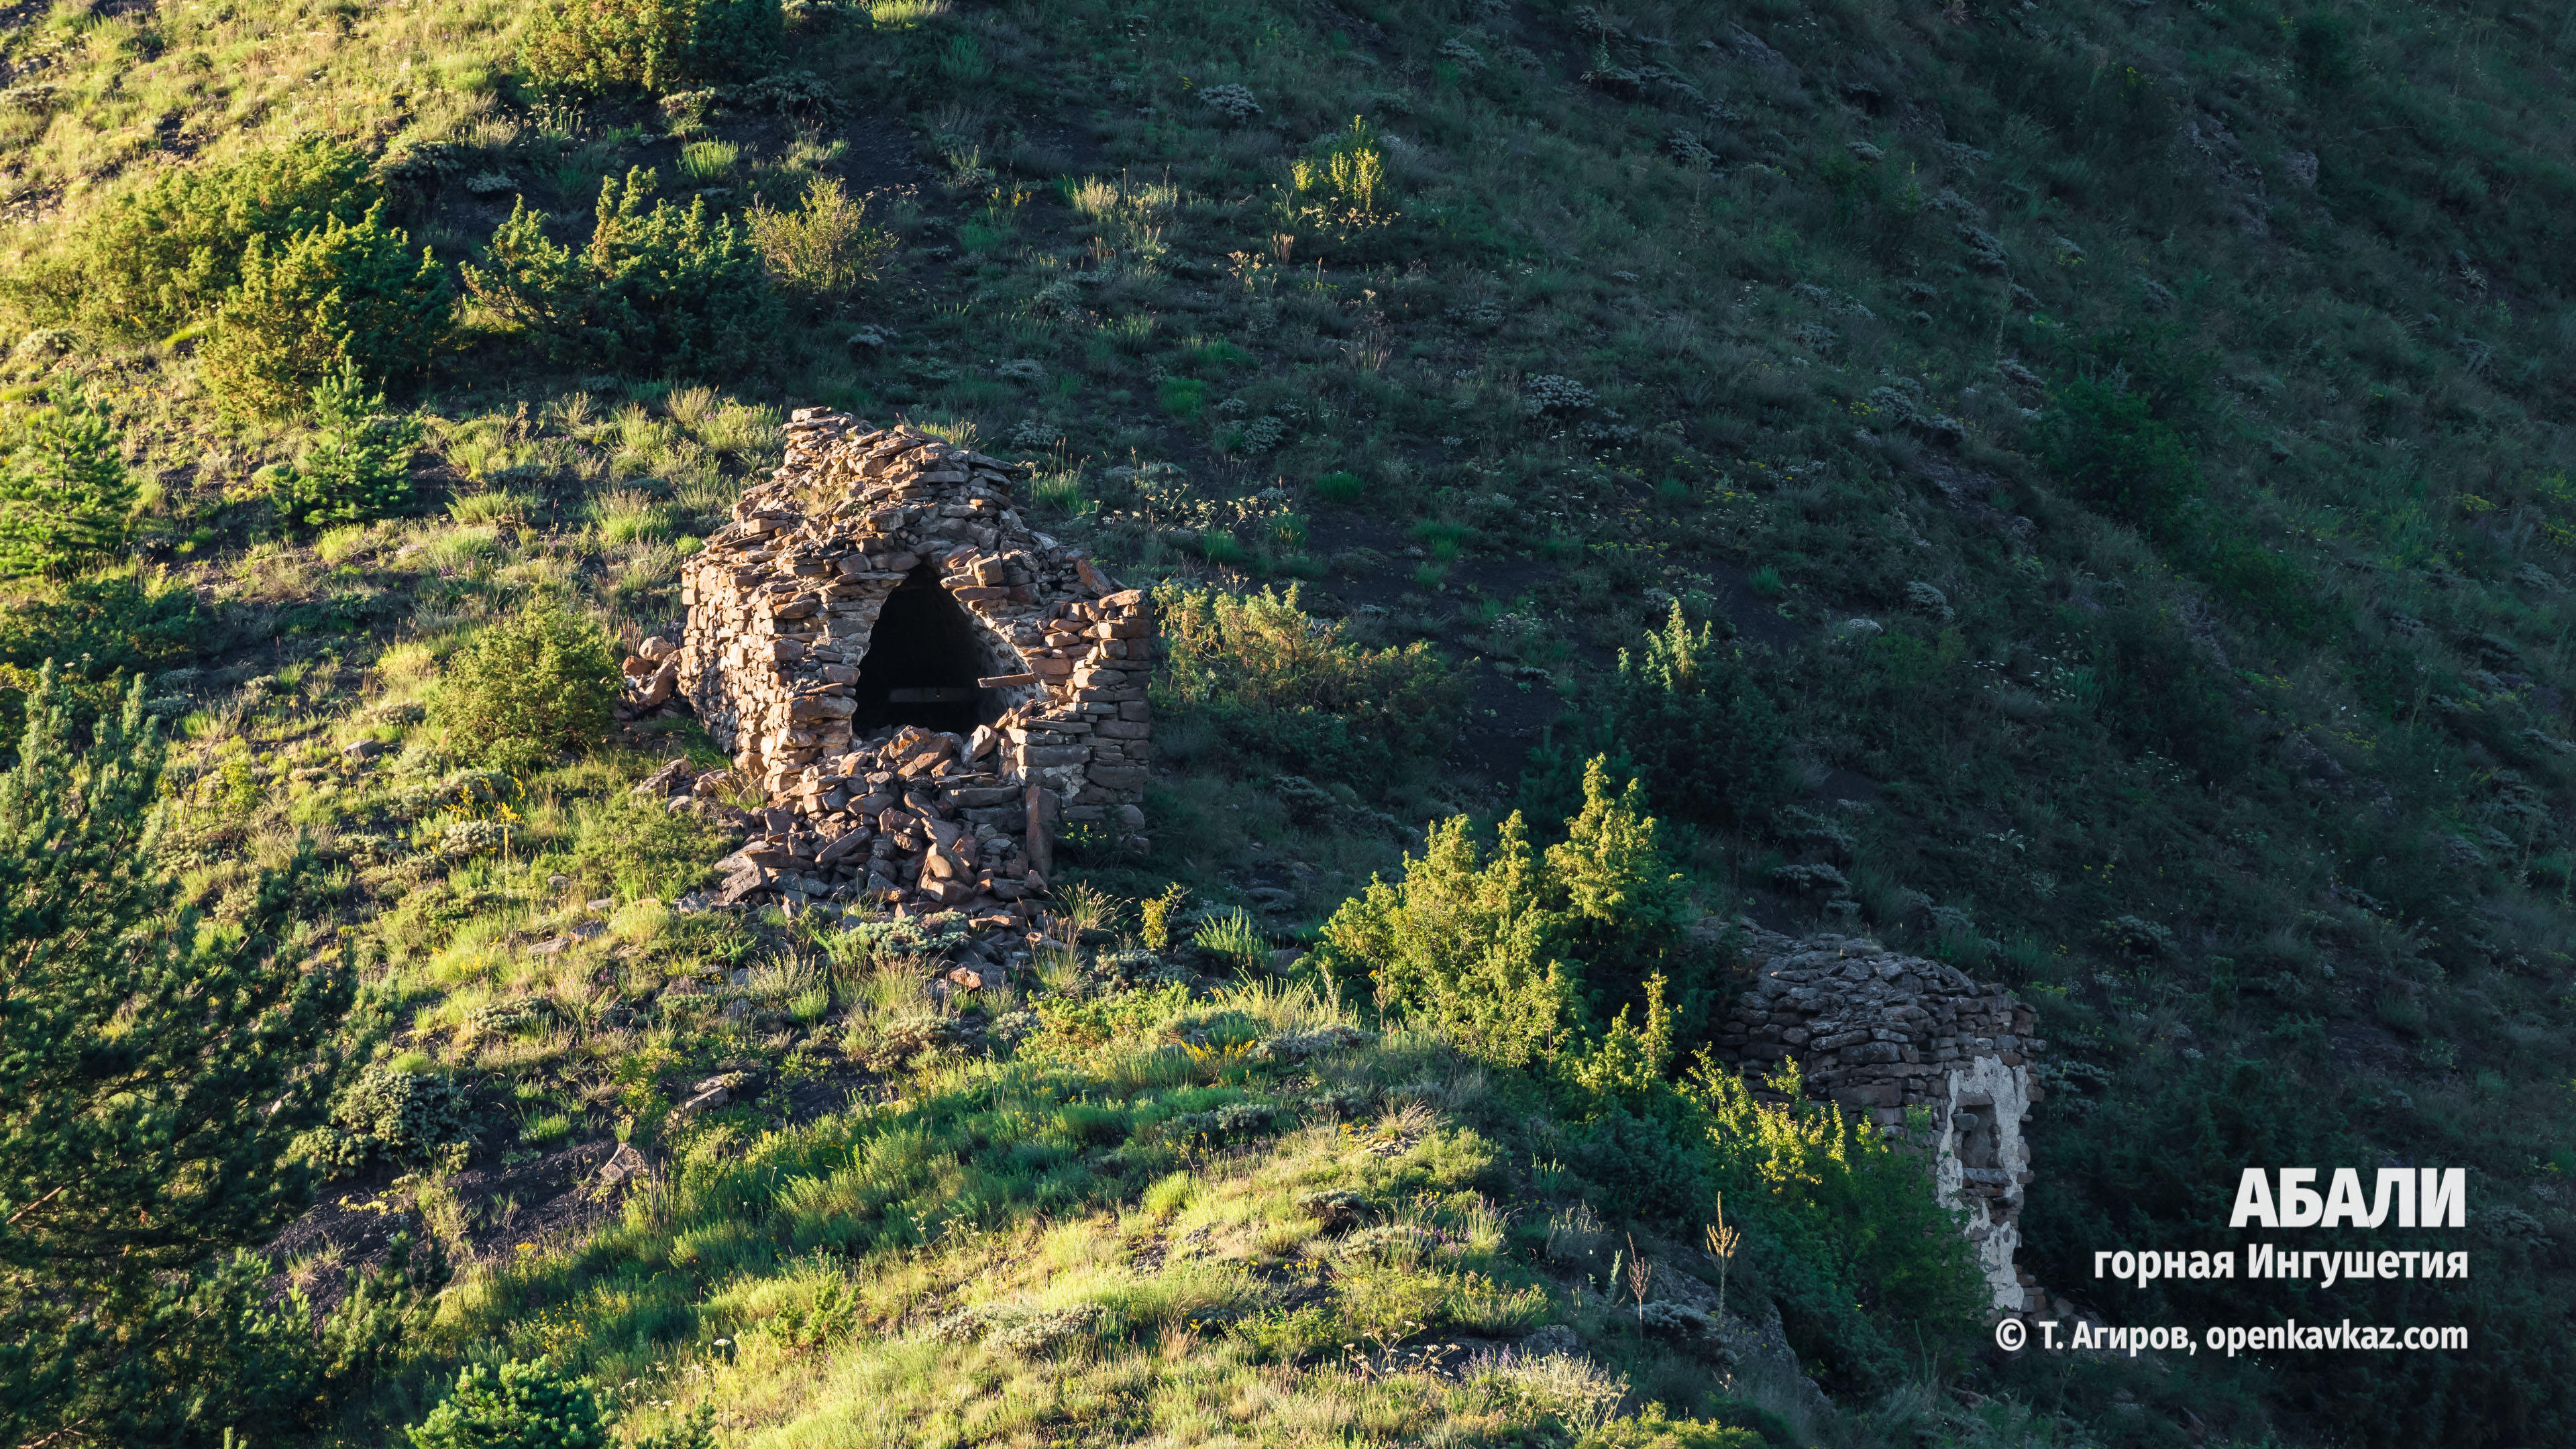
922, 662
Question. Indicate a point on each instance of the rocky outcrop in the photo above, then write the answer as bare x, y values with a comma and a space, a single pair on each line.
1881, 1034
921, 687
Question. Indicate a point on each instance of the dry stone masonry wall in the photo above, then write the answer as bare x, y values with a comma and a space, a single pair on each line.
1882, 1033
920, 685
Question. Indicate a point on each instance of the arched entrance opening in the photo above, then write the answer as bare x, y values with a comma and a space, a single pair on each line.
923, 659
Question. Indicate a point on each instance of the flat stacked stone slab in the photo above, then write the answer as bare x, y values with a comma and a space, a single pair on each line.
784, 605
1882, 1033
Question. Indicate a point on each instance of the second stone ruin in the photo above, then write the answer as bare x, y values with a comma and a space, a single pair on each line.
1883, 1034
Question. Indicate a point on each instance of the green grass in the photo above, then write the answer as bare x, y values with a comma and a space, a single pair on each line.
2275, 664
1341, 488
709, 163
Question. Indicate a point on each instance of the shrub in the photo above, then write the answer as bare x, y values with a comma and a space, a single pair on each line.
165, 254
2109, 449
1512, 951
655, 288
64, 489
1343, 191
1279, 685
657, 46
821, 252
340, 296
411, 1119
519, 1405
358, 465
1702, 734
528, 687
1840, 1224
1461, 939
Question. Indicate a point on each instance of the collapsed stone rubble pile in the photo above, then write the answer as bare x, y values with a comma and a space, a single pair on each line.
1883, 1033
917, 688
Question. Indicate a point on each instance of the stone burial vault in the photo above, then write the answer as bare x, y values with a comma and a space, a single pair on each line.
921, 687
1882, 1033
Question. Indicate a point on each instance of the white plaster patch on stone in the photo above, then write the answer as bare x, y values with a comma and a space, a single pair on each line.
1982, 1162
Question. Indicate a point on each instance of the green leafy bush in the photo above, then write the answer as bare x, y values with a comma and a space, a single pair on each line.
65, 492
1279, 685
1698, 729
165, 254
1522, 956
519, 1405
656, 46
358, 465
2108, 448
527, 688
1512, 951
657, 287
411, 1119
339, 296
1840, 1226
824, 250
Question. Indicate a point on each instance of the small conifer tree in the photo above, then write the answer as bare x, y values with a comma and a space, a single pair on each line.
1513, 950
358, 465
658, 285
65, 492
521, 1404
607, 46
155, 1070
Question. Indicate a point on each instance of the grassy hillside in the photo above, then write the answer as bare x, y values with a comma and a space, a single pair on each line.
2071, 489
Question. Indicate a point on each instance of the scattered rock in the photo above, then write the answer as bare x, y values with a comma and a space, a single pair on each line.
672, 779
624, 1165
1551, 1340
1337, 1209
